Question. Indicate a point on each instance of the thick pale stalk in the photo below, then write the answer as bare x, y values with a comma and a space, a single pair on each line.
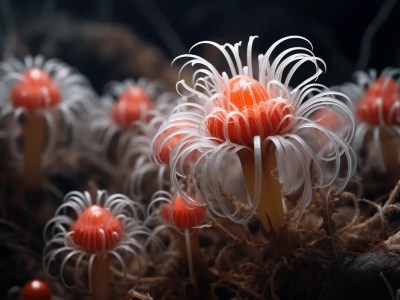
34, 138
100, 277
270, 208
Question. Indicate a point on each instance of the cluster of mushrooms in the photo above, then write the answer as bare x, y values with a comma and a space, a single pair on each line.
247, 179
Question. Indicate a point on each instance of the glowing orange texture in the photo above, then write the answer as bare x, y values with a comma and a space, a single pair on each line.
259, 114
378, 101
169, 141
35, 290
130, 106
184, 215
327, 119
35, 90
96, 229
168, 146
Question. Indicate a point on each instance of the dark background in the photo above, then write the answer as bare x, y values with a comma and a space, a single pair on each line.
334, 27
149, 35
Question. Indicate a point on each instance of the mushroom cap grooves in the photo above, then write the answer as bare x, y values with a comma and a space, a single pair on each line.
245, 111
96, 229
131, 105
35, 90
380, 103
184, 214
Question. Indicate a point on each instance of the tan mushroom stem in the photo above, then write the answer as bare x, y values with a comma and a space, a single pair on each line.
34, 139
270, 209
100, 273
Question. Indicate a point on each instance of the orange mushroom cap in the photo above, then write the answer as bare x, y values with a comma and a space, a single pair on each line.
184, 214
131, 105
96, 229
259, 113
35, 289
376, 105
35, 90
169, 140
166, 149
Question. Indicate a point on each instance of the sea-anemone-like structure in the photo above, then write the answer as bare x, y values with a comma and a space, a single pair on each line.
87, 235
146, 138
183, 216
177, 212
43, 103
123, 105
377, 108
255, 115
144, 170
48, 87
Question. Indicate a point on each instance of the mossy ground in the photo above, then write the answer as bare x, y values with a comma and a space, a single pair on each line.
344, 247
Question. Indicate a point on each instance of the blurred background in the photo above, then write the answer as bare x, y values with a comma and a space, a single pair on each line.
118, 39
115, 39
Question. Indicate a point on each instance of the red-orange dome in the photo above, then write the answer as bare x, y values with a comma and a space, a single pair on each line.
35, 290
131, 105
376, 105
96, 229
184, 215
260, 114
35, 90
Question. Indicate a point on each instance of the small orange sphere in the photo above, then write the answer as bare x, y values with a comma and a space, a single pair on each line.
35, 90
35, 290
96, 229
259, 114
131, 105
184, 215
378, 101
